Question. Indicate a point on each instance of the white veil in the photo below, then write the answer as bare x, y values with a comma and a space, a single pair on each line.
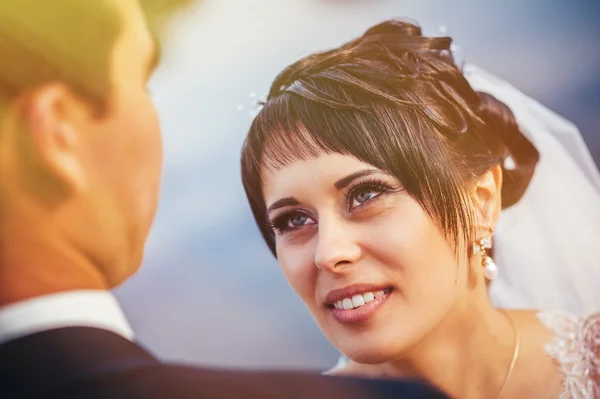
547, 245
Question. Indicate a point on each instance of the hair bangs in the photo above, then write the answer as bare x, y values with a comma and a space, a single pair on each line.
307, 129
305, 122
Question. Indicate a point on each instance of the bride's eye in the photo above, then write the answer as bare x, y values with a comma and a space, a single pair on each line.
291, 221
363, 197
365, 192
297, 220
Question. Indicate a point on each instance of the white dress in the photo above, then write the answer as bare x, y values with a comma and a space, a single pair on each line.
576, 350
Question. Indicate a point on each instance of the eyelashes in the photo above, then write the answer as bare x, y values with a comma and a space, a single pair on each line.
359, 195
291, 220
375, 187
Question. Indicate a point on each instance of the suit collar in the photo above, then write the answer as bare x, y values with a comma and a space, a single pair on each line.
89, 308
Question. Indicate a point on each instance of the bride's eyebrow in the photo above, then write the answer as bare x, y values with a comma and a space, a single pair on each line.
345, 181
288, 201
339, 185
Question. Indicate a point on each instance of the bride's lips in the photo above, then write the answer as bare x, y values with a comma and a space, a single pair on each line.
356, 303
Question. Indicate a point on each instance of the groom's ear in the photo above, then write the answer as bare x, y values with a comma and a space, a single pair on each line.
486, 193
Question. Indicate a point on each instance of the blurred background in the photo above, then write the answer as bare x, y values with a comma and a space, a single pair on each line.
209, 291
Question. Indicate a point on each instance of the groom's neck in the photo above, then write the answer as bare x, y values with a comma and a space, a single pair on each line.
32, 266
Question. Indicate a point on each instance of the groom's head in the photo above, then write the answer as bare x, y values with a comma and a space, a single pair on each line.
80, 148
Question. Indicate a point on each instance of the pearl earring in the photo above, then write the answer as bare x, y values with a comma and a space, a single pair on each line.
490, 270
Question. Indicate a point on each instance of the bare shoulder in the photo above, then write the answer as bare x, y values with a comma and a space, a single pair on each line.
545, 381
532, 328
556, 328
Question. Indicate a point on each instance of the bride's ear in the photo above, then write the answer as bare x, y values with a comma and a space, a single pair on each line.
486, 192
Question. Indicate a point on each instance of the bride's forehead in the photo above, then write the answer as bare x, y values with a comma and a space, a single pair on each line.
320, 169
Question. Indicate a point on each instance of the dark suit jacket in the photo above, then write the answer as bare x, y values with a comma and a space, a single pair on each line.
82, 362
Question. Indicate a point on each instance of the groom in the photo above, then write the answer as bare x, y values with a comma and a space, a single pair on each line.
80, 161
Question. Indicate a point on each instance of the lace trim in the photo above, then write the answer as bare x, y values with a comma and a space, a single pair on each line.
575, 347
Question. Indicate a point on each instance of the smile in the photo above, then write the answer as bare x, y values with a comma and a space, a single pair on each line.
356, 303
359, 300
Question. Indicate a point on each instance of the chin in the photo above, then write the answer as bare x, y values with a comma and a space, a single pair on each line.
119, 275
135, 262
370, 357
370, 351
376, 346
124, 267
136, 250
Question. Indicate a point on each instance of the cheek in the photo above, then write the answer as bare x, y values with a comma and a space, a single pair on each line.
415, 251
144, 153
297, 267
128, 146
144, 131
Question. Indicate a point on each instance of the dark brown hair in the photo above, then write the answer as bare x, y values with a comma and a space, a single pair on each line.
396, 100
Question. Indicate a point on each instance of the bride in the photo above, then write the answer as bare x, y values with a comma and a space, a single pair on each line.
380, 175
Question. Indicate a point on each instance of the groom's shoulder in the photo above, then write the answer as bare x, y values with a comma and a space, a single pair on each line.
81, 362
164, 380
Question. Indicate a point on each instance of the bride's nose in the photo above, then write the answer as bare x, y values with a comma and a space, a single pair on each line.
335, 246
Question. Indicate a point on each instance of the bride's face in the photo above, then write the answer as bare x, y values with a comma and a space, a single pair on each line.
372, 267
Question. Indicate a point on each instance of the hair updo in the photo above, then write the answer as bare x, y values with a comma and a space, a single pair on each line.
396, 100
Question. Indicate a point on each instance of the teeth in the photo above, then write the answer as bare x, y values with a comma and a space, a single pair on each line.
347, 303
358, 300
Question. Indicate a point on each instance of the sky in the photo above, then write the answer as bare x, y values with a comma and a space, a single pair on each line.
209, 292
